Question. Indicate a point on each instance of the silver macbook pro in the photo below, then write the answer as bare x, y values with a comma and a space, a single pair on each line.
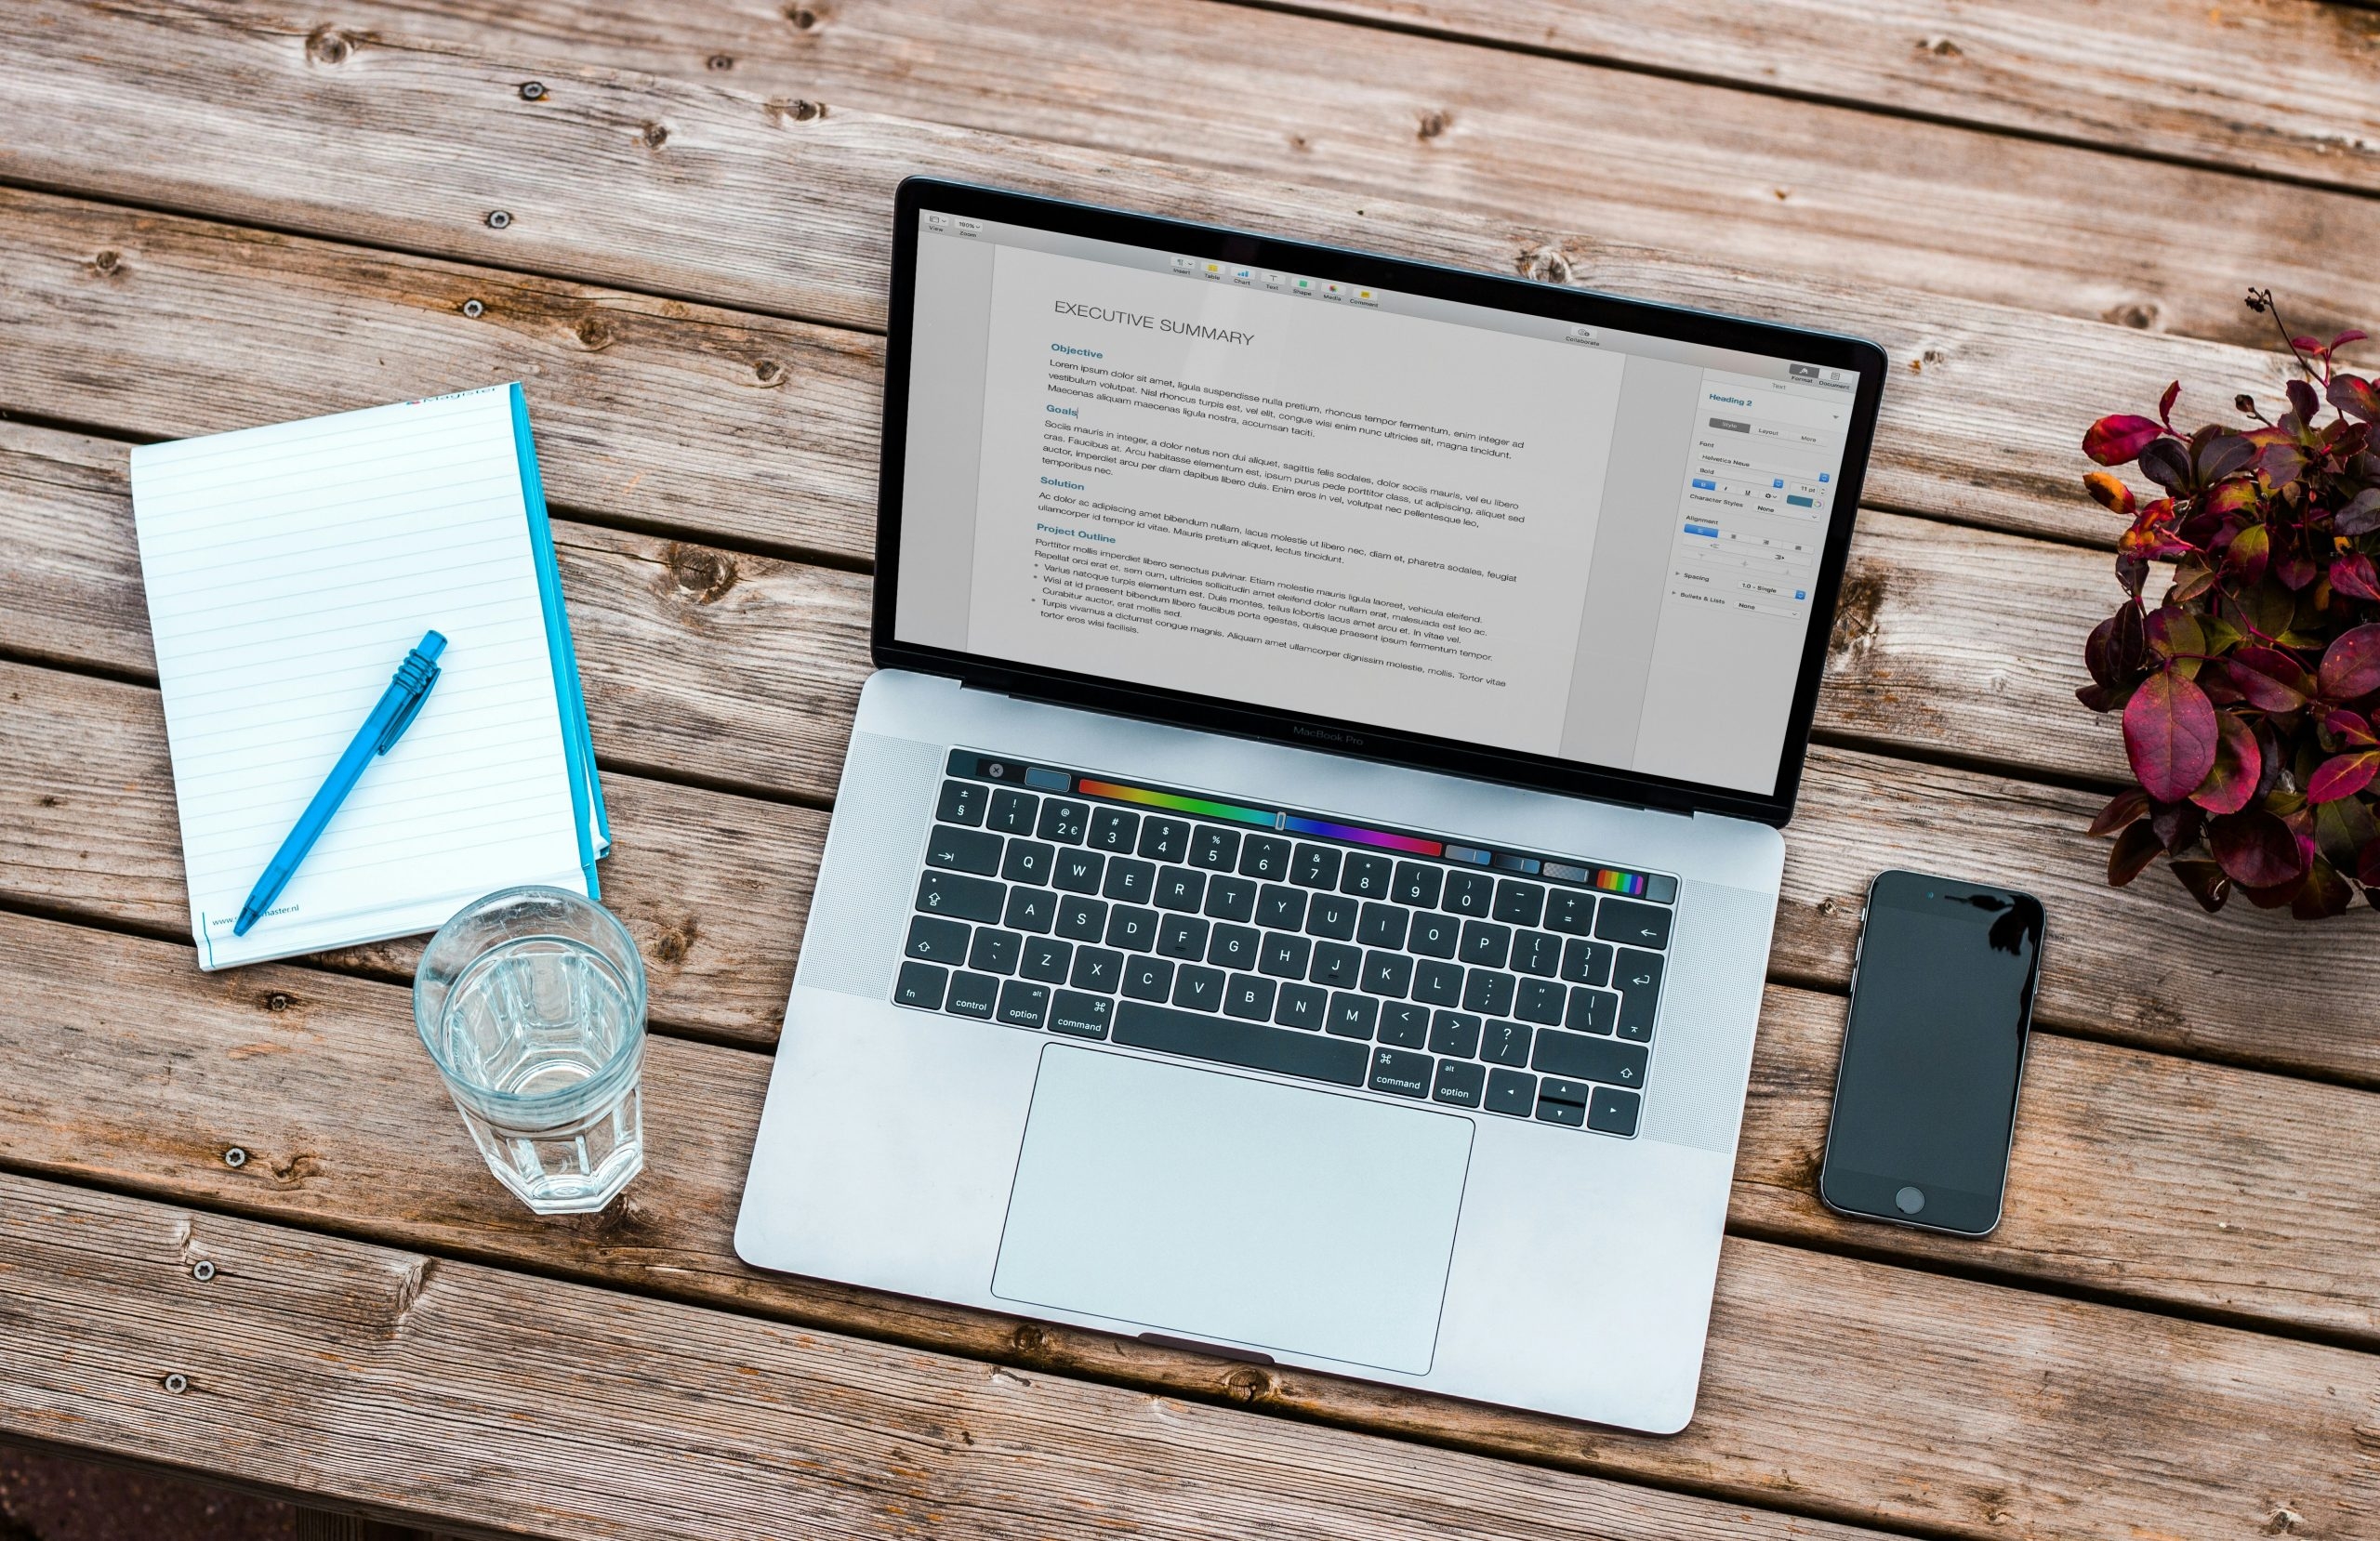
1302, 875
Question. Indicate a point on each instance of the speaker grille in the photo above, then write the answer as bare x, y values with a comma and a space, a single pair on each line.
1702, 1055
853, 943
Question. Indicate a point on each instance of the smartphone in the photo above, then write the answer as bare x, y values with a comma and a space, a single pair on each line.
1933, 1053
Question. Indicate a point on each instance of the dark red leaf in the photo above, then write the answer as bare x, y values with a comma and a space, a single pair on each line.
2166, 462
2255, 848
2343, 776
2323, 894
2118, 439
2239, 764
2351, 728
2169, 733
2362, 514
2343, 828
2269, 678
2355, 398
2303, 401
2131, 572
2135, 849
2115, 651
2232, 497
2165, 402
2345, 337
2222, 455
2125, 807
2351, 665
2205, 881
2352, 574
2282, 461
2367, 867
2101, 699
2178, 824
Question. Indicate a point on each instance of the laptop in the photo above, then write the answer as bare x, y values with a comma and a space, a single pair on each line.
1302, 879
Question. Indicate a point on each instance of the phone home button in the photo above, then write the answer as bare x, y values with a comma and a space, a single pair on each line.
1909, 1200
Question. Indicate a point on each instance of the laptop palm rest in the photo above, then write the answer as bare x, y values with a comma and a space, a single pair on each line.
1213, 1206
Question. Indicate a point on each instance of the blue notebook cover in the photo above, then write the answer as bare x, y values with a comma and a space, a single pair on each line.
585, 785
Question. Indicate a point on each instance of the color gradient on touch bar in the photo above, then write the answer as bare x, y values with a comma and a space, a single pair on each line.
1620, 882
1380, 838
1147, 798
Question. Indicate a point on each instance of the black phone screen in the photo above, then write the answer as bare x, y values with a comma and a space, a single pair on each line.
1925, 1101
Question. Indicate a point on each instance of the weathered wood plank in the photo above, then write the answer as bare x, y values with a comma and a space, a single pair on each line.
2279, 86
751, 203
1826, 1376
1750, 179
362, 1375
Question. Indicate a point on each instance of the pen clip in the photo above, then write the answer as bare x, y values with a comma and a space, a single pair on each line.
397, 725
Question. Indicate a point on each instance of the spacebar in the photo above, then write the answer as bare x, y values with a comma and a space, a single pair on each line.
1233, 1042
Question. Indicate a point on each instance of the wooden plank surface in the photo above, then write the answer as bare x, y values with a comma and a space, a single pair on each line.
746, 206
2279, 86
2034, 1416
1749, 179
359, 1373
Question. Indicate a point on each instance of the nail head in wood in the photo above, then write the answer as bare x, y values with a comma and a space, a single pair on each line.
498, 219
235, 1158
178, 1383
533, 90
473, 309
202, 1270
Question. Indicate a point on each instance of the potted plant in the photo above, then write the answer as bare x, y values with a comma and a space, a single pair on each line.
2249, 690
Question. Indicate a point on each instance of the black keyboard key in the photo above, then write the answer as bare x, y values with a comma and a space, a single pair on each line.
1562, 1102
1315, 867
1434, 935
1283, 954
1249, 995
1265, 857
1639, 977
1277, 907
1148, 979
1505, 1043
1182, 936
1047, 959
1234, 947
995, 952
1455, 1033
1030, 910
1199, 989
1129, 880
1028, 861
1337, 965
1382, 926
1213, 849
1404, 1025
1303, 1006
1080, 1015
1485, 946
1132, 928
1098, 968
1365, 876
1179, 888
1012, 812
1469, 893
1637, 925
1537, 953
1114, 830
921, 984
1583, 1059
961, 802
1519, 903
1401, 1072
1387, 973
961, 897
1541, 1001
1331, 915
1570, 912
936, 941
1352, 1016
1063, 820
1024, 1004
1510, 1091
1613, 1111
1488, 993
973, 996
1252, 1046
1417, 885
958, 850
1081, 919
1079, 871
1165, 839
1591, 1011
1231, 898
1460, 1082
1586, 962
1436, 982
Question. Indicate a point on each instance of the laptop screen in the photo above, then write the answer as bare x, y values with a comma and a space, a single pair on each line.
1374, 506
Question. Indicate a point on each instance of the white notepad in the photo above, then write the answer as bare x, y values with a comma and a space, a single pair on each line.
290, 570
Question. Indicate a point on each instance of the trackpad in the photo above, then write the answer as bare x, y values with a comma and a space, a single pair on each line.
1215, 1206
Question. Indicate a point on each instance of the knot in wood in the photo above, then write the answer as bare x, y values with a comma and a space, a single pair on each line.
328, 45
105, 262
721, 61
1545, 265
802, 17
702, 574
800, 109
278, 1001
1940, 48
654, 135
1432, 123
768, 372
592, 334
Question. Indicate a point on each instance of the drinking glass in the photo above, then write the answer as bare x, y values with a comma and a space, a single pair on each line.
531, 1001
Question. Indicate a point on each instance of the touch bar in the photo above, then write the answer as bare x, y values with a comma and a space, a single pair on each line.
1412, 845
1179, 804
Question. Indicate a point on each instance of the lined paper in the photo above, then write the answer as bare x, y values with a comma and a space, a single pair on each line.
290, 570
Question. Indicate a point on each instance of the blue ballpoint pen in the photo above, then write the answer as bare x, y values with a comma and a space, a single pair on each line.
399, 704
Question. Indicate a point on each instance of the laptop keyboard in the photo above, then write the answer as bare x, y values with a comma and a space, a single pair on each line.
1489, 979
